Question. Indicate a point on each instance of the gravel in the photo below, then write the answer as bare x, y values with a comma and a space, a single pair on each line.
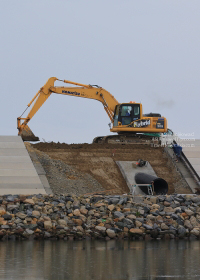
64, 179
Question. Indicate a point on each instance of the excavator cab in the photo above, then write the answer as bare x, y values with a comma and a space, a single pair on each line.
129, 118
126, 113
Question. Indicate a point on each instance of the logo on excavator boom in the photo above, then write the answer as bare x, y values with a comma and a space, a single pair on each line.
70, 92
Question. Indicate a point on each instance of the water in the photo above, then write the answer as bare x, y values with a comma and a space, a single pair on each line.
99, 260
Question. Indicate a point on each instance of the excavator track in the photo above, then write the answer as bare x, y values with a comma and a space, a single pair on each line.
98, 139
127, 139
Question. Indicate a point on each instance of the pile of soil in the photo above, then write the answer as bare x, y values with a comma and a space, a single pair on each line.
89, 168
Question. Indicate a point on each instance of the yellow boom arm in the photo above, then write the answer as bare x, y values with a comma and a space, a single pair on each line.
85, 91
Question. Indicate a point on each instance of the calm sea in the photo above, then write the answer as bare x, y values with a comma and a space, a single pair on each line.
99, 260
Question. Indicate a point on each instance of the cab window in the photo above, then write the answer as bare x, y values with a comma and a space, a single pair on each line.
126, 111
136, 110
116, 116
126, 114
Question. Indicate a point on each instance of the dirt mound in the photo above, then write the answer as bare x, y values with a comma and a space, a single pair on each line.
99, 162
43, 146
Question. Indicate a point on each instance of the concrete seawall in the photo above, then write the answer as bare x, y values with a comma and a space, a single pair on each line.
17, 172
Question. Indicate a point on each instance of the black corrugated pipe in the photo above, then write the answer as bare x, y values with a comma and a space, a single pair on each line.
160, 185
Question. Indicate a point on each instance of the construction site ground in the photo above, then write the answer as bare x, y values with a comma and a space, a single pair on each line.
89, 168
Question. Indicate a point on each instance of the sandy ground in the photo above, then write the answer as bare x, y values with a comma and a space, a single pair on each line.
95, 164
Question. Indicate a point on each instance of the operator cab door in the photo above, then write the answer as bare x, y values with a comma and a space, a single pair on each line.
126, 113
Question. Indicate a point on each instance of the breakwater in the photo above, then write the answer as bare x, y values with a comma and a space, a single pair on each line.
99, 217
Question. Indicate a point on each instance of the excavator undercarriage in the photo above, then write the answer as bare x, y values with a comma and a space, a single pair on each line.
127, 139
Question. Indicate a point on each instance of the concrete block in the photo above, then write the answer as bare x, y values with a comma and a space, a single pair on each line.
11, 145
194, 141
16, 165
13, 152
45, 183
4, 191
191, 183
19, 180
196, 167
17, 186
19, 172
192, 154
197, 142
184, 171
194, 160
39, 169
15, 159
191, 149
10, 139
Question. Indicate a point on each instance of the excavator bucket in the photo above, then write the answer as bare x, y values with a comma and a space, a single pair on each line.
28, 135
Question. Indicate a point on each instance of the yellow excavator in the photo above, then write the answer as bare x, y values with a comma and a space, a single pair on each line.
127, 119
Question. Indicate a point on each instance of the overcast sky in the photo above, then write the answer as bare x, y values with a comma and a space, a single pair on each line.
146, 51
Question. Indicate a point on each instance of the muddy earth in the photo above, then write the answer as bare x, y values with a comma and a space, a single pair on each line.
90, 168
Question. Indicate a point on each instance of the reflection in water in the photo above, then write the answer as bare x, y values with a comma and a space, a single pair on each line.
99, 260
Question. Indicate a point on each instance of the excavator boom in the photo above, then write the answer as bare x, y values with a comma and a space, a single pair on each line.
85, 91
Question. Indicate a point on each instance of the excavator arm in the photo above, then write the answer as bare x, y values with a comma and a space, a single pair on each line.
81, 90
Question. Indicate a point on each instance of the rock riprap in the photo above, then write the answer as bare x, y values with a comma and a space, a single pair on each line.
99, 216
